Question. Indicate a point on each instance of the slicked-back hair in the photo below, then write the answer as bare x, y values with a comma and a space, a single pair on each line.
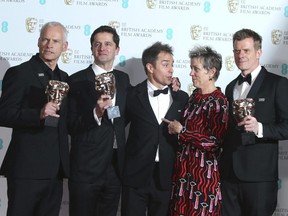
150, 54
108, 29
248, 33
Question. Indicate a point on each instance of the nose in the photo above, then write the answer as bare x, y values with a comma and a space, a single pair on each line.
57, 94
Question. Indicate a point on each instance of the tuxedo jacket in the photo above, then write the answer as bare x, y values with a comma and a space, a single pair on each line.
145, 134
35, 151
257, 161
91, 144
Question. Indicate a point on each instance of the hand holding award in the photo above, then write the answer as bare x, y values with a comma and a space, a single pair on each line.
56, 91
105, 83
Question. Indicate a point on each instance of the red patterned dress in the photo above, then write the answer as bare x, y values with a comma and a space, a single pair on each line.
196, 179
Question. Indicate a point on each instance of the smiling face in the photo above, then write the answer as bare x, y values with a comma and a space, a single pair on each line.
104, 50
160, 74
246, 56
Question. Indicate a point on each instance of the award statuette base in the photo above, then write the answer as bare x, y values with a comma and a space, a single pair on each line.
248, 138
51, 121
113, 112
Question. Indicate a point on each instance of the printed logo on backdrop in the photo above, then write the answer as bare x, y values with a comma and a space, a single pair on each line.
190, 88
76, 57
14, 57
91, 2
114, 24
276, 36
230, 63
4, 26
233, 6
69, 2
173, 5
151, 4
198, 32
250, 7
279, 37
280, 69
67, 56
126, 30
31, 24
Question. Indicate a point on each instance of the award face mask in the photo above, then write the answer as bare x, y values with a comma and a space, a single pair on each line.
56, 91
105, 84
242, 108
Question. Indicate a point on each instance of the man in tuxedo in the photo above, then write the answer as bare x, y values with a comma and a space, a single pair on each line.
249, 163
97, 135
150, 150
37, 158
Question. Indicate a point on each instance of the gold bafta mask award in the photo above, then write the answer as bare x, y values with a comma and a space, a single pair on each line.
56, 91
105, 83
242, 108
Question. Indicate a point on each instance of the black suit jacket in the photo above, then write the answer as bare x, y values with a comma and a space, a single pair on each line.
258, 161
35, 151
91, 144
144, 136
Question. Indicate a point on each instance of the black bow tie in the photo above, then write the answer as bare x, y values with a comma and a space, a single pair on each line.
159, 91
242, 79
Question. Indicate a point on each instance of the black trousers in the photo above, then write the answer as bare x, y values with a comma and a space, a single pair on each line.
92, 199
248, 198
148, 200
33, 197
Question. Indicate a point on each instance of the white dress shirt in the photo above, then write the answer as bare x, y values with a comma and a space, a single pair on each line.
241, 91
98, 70
160, 105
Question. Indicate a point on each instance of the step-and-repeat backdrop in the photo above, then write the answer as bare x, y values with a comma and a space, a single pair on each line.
181, 23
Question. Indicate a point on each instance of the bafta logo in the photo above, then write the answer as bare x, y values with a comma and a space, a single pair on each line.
229, 63
151, 4
67, 56
114, 24
190, 88
69, 2
31, 24
276, 36
195, 32
233, 6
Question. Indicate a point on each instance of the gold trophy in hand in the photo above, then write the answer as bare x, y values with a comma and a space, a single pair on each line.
105, 83
241, 109
56, 91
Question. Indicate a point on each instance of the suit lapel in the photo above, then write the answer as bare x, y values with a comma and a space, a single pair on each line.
91, 81
174, 108
119, 90
257, 84
142, 95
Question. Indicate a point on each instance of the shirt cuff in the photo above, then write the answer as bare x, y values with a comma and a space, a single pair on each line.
260, 130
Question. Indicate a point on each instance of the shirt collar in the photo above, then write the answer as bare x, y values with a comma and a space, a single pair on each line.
151, 88
254, 73
98, 70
